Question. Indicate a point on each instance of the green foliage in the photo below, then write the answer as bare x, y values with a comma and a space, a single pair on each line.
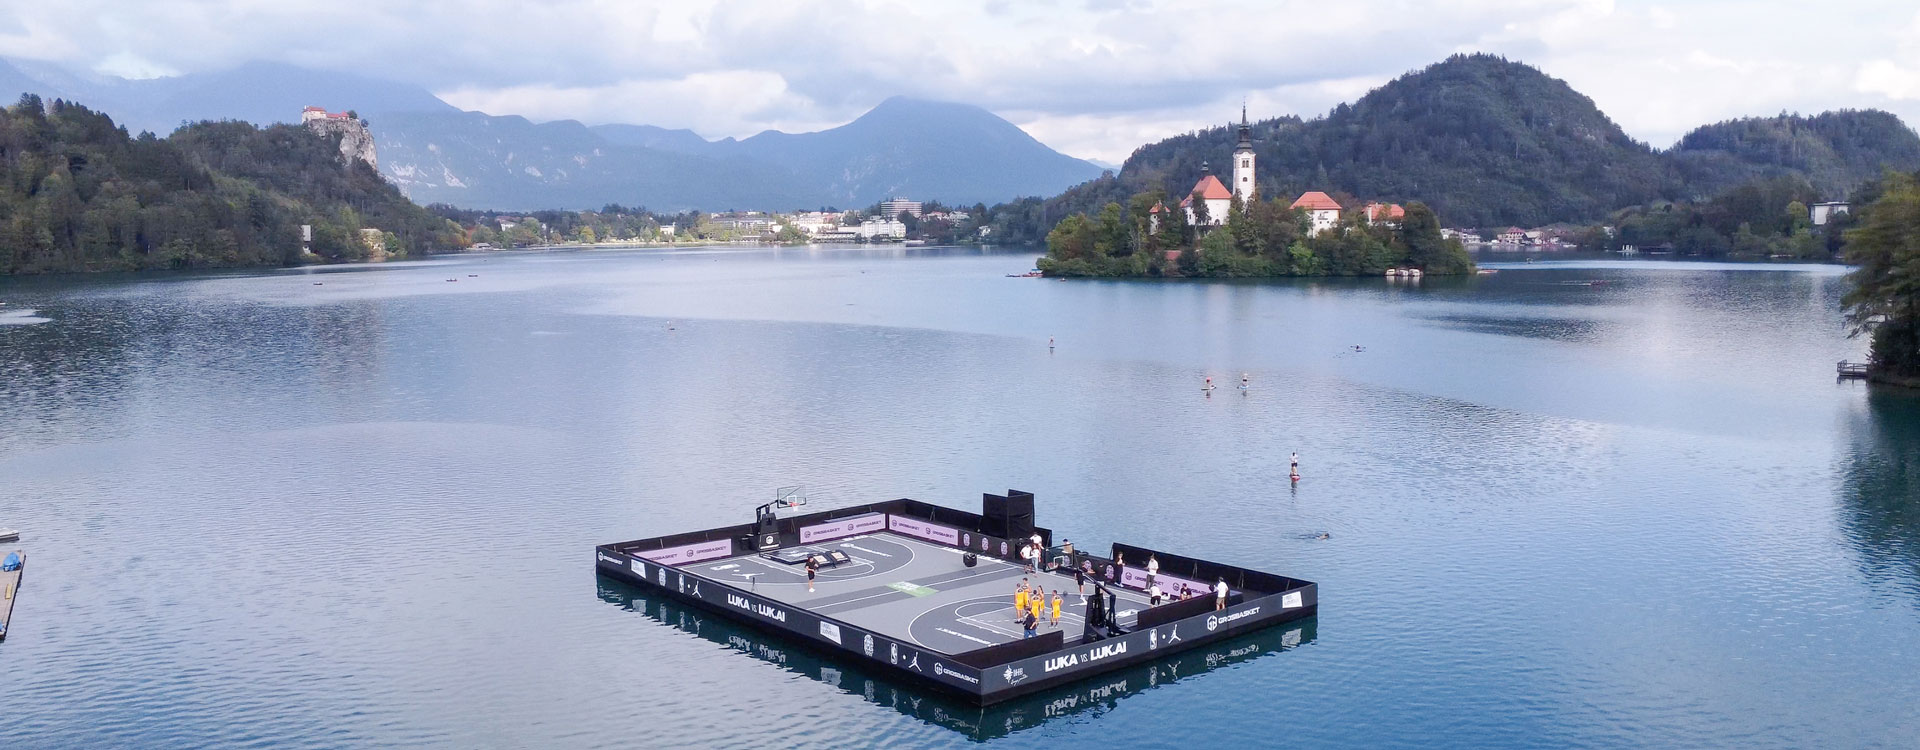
1492, 143
1836, 152
1765, 217
80, 194
1885, 300
1426, 249
1266, 238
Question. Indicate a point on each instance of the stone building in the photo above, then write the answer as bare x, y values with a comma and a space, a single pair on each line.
356, 142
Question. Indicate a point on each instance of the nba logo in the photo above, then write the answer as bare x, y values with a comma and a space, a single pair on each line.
1153, 639
893, 653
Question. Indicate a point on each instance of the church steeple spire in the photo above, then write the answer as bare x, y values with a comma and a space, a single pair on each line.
1243, 182
1246, 131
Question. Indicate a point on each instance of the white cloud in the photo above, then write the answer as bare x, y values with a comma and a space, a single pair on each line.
1887, 78
1092, 77
131, 66
715, 104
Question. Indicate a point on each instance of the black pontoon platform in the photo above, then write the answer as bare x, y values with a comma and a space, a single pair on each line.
928, 592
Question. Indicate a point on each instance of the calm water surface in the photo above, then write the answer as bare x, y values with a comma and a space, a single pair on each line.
354, 506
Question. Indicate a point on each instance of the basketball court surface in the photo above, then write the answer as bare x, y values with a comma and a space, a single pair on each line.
916, 592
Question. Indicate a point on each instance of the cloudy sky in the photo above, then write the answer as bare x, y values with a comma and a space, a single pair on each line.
1093, 78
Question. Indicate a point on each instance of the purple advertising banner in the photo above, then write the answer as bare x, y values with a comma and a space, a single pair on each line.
860, 524
924, 530
690, 552
1136, 578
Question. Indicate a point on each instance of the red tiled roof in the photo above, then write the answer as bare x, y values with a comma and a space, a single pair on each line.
1158, 208
1316, 201
1388, 211
1209, 188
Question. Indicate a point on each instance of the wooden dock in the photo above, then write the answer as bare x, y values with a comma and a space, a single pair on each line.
1851, 369
9, 588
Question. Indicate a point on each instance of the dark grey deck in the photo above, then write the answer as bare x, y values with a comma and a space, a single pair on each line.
913, 591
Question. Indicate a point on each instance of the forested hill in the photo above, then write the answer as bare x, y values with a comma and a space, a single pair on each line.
1489, 142
80, 194
1835, 151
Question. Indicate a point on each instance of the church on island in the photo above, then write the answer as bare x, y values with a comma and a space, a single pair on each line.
1323, 212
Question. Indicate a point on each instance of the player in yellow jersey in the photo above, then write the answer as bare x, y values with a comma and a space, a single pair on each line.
1056, 609
1020, 602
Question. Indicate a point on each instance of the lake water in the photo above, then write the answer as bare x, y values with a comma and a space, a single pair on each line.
347, 507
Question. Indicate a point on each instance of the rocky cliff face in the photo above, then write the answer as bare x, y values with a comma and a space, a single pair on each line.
355, 141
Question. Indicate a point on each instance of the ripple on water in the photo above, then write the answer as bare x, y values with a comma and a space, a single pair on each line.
269, 513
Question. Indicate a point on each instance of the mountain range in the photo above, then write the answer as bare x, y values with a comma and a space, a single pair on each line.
437, 153
1490, 142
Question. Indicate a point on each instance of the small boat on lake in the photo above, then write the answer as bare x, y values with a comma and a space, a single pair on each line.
9, 535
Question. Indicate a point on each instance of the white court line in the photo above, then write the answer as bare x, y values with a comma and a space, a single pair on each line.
897, 591
983, 625
857, 576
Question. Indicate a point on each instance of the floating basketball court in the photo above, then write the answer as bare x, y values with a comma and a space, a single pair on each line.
928, 592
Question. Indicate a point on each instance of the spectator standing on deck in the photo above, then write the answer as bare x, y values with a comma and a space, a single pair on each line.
1120, 568
1080, 579
1031, 625
1153, 567
813, 566
1220, 595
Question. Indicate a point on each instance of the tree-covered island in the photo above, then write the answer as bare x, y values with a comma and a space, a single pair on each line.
1260, 238
1220, 232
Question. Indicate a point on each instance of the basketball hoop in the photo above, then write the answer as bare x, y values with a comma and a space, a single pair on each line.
790, 497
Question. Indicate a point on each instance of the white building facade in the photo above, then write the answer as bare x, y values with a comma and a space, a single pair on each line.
1322, 212
894, 207
1243, 184
1824, 212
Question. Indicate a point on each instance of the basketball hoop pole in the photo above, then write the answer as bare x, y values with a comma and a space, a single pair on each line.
765, 517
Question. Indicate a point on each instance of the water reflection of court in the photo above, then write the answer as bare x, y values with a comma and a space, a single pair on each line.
940, 708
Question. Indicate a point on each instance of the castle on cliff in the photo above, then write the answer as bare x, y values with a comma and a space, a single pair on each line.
356, 142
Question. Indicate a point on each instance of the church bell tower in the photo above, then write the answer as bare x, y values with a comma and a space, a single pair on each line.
1243, 161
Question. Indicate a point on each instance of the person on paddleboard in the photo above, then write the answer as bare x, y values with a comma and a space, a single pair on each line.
1293, 470
1209, 385
1246, 381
